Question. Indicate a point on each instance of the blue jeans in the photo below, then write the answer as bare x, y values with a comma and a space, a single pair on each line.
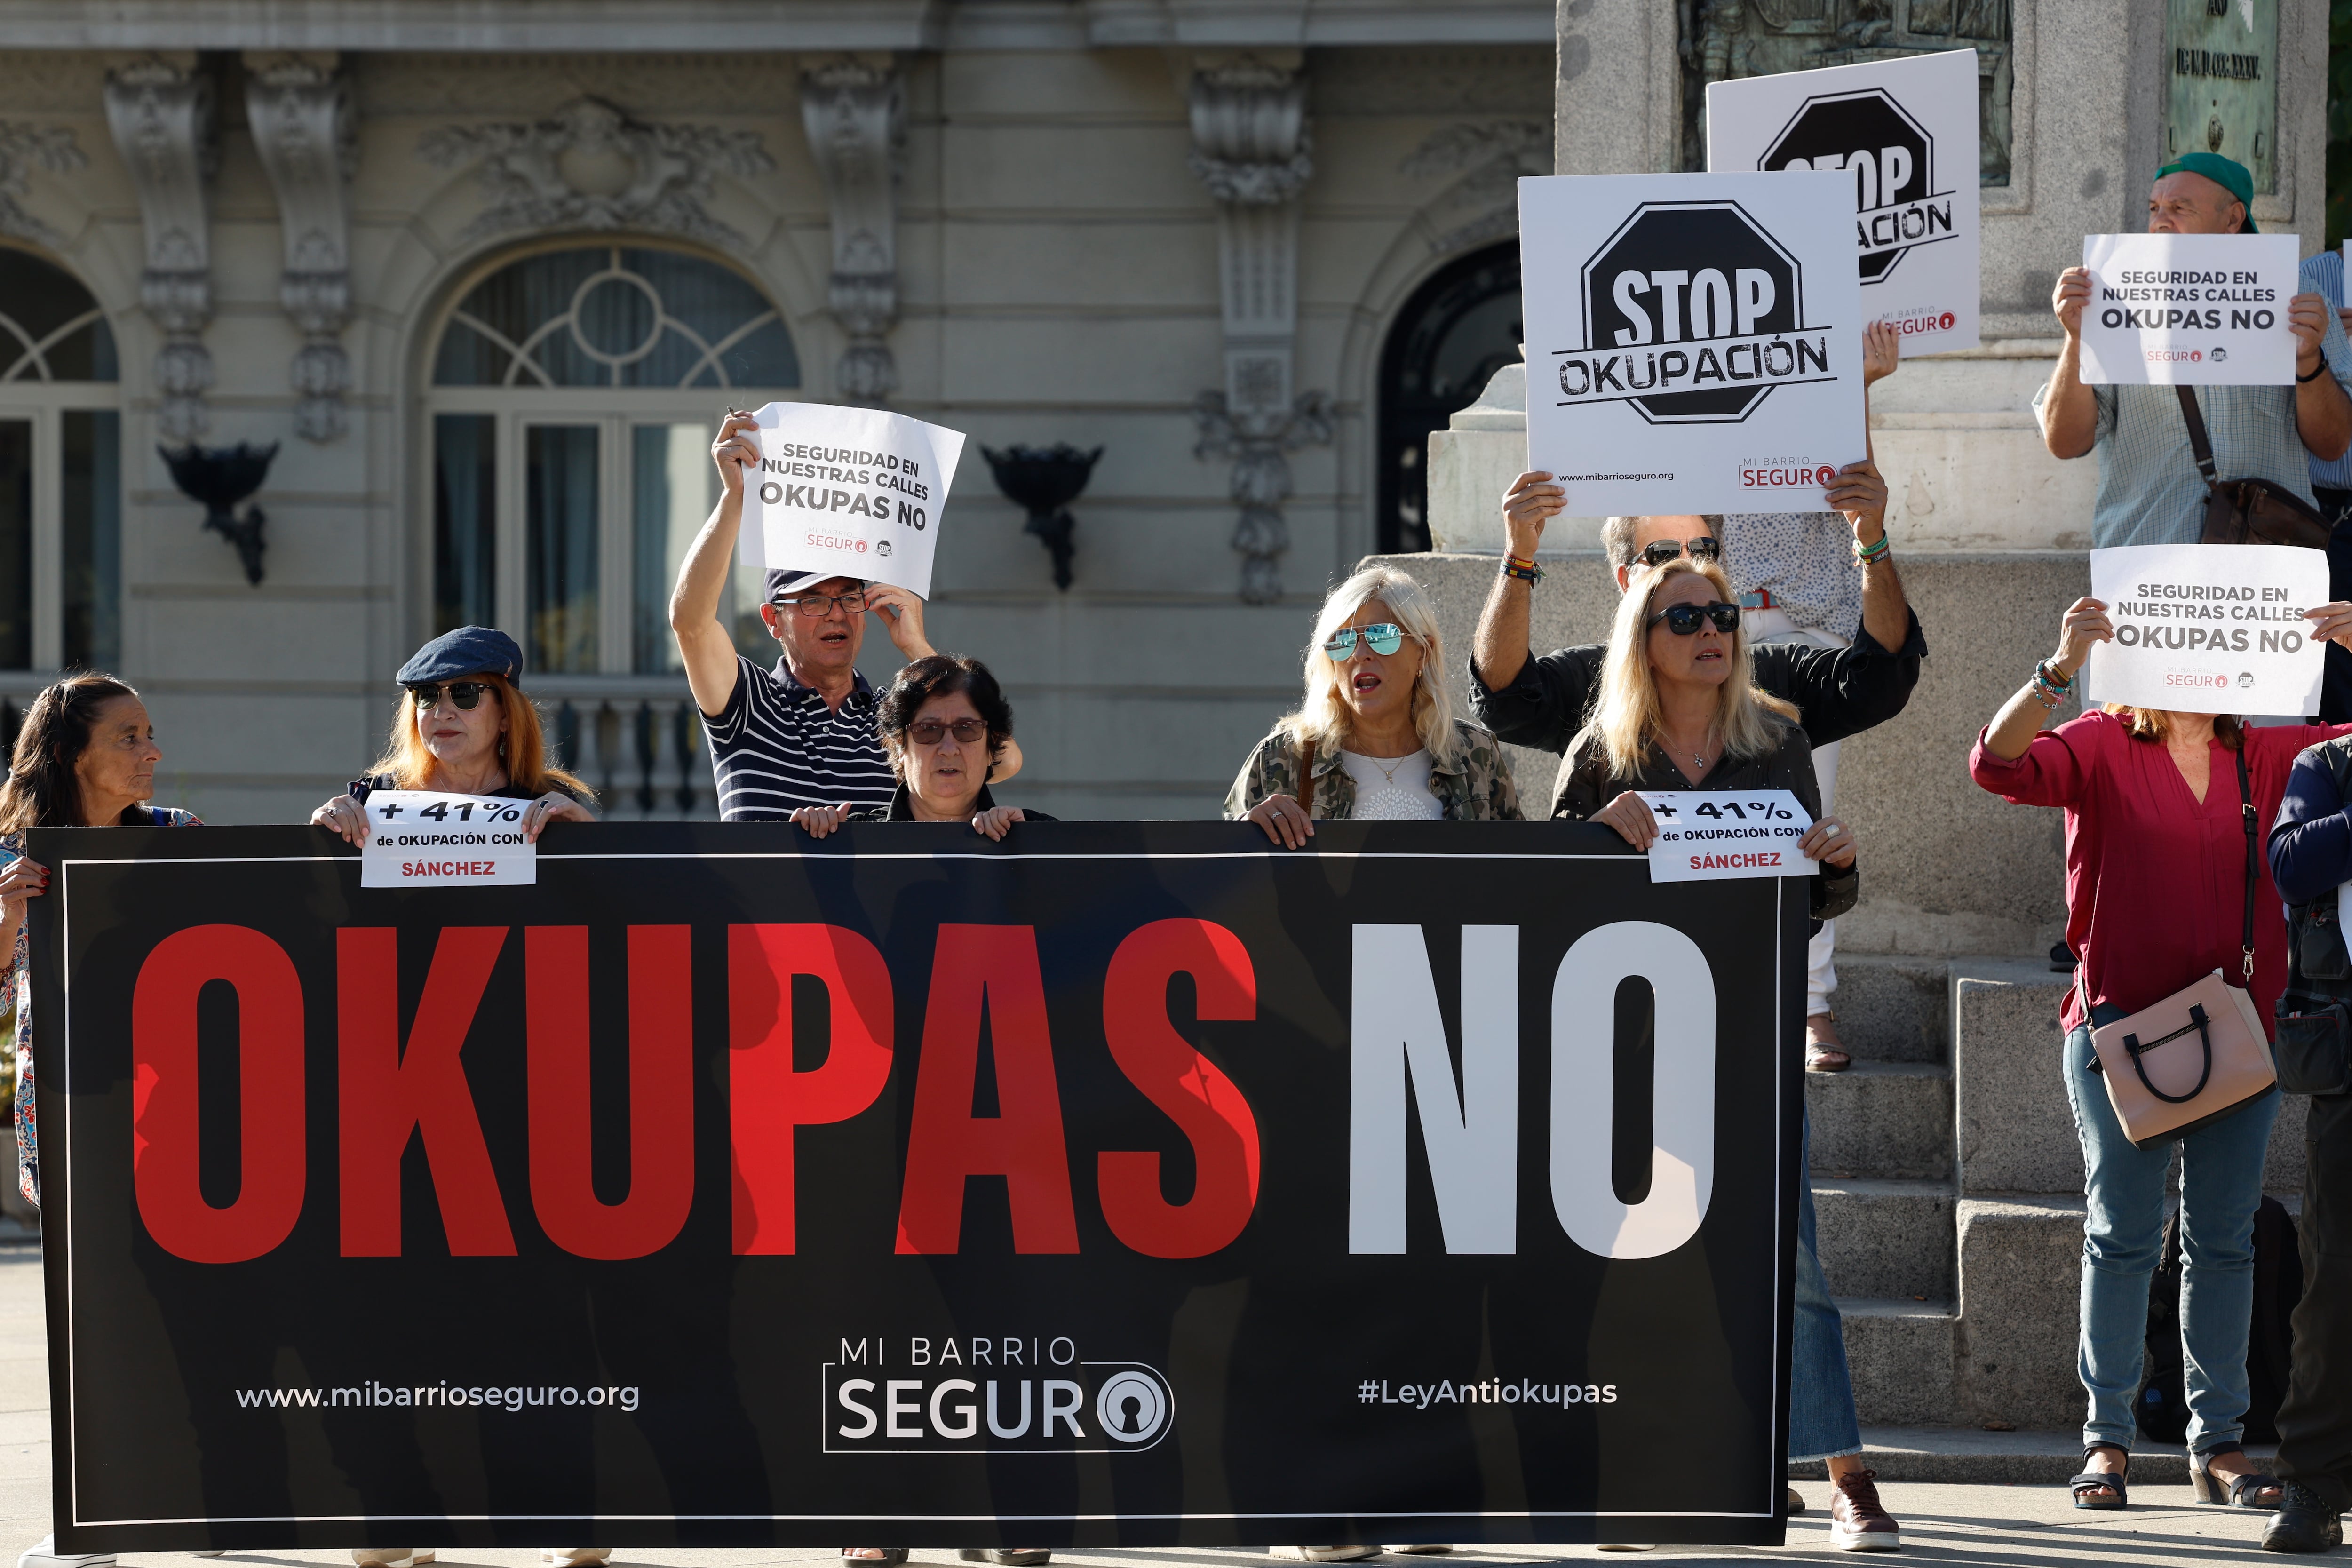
2122, 1232
1822, 1424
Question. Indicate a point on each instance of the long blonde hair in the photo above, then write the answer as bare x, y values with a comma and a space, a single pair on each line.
1626, 716
522, 750
1323, 718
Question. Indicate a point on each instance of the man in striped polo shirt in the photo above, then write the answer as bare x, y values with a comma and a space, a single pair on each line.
801, 733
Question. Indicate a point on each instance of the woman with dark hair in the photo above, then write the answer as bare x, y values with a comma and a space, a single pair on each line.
945, 724
464, 727
85, 758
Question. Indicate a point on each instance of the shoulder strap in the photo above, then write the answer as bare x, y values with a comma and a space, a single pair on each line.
1306, 777
2198, 442
2246, 805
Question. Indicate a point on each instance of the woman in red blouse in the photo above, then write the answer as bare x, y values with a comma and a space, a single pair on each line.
2156, 866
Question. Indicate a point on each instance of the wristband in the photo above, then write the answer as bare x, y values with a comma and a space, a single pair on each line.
2055, 675
2316, 372
1524, 569
1872, 554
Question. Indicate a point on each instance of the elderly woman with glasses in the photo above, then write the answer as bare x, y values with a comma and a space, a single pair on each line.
945, 726
1375, 738
1678, 709
462, 727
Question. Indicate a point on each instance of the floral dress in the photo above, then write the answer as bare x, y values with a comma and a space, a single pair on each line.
20, 990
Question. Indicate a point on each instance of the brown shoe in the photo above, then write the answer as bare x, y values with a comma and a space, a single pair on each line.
1824, 1051
1857, 1523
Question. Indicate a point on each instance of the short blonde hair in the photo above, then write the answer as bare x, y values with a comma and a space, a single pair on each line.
1626, 714
1323, 718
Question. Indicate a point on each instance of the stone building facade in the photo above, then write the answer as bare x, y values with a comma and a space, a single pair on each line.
485, 275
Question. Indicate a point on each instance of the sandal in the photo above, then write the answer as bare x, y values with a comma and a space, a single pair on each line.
888, 1555
2090, 1483
2231, 1491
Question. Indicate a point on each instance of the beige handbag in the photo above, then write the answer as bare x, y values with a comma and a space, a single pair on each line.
2201, 1053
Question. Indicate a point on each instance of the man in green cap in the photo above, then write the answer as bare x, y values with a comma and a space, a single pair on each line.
2149, 489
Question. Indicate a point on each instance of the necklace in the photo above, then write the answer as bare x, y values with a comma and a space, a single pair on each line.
1388, 775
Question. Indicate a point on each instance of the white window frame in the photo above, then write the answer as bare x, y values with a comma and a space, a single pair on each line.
45, 404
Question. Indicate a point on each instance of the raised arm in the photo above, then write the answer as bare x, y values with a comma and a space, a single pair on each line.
2069, 410
2024, 716
1500, 644
703, 644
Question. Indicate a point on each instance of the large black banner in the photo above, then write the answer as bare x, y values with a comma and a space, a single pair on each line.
1124, 1184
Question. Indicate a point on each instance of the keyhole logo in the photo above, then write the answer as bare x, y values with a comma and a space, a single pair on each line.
1132, 1407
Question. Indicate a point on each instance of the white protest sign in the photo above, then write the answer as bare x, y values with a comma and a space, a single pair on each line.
2207, 628
851, 492
1694, 341
424, 839
1707, 836
2189, 309
1904, 131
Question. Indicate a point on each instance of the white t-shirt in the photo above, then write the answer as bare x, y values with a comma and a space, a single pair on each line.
1392, 789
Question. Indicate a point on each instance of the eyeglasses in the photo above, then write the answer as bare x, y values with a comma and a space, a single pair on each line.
464, 693
1383, 639
928, 732
1658, 552
822, 605
1685, 620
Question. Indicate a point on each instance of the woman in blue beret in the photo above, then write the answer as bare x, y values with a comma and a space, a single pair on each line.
464, 727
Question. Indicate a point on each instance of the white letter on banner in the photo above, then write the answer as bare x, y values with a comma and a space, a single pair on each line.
1471, 1138
1583, 1089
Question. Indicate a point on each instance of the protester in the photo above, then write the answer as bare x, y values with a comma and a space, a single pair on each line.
1679, 709
85, 757
944, 723
1801, 577
2311, 857
1838, 690
801, 734
2331, 491
2149, 489
464, 727
2156, 897
1375, 735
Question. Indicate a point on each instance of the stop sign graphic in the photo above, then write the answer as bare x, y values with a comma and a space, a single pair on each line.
1681, 273
1892, 158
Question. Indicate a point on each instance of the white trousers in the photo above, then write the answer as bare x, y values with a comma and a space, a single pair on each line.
1821, 967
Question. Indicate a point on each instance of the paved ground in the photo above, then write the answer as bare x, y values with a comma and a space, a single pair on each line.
2026, 1526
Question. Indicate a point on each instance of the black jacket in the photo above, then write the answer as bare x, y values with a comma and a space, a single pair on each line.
1838, 691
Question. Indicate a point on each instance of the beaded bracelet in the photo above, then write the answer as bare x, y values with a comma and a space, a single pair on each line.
1872, 554
1526, 570
2048, 687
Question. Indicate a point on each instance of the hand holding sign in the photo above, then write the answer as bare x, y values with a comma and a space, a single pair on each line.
1704, 835
424, 839
2210, 628
2209, 309
850, 492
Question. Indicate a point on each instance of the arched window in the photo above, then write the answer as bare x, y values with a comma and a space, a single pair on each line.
1452, 335
574, 397
61, 472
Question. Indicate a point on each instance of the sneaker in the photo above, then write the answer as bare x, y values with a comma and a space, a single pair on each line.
580, 1556
1857, 1523
2306, 1521
391, 1557
1323, 1553
43, 1553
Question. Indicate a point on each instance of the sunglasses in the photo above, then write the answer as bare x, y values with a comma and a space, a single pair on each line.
1658, 552
928, 731
464, 693
1685, 620
1383, 639
819, 607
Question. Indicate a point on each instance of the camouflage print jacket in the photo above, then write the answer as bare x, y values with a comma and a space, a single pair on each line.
1476, 787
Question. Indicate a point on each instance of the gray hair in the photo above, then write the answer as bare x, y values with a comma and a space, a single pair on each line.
1617, 535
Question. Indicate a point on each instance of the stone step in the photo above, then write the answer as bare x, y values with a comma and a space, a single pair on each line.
1882, 1119
1893, 1008
1901, 1357
1892, 1240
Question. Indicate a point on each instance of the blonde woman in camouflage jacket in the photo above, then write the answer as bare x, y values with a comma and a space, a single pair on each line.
1376, 723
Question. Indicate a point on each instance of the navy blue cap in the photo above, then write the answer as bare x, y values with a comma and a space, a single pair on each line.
783, 582
469, 650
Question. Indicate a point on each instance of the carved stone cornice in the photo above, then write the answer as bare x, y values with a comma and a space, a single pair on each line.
854, 109
591, 166
22, 147
1252, 149
300, 113
160, 109
1490, 157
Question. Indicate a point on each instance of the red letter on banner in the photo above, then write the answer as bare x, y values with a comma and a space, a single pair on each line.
387, 1094
766, 1099
661, 1091
1181, 1081
945, 1144
164, 1154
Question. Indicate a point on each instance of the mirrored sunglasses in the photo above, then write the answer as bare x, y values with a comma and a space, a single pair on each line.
1383, 639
